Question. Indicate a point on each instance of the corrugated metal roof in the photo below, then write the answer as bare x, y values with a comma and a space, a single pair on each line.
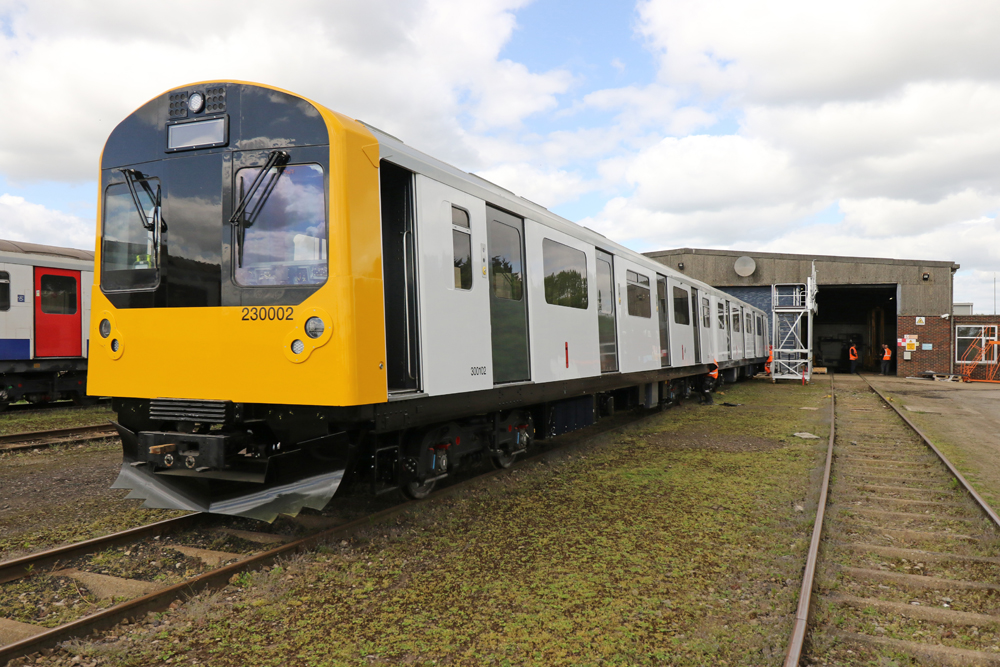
38, 249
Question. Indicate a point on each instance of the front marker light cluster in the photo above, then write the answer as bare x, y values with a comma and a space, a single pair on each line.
313, 331
314, 327
105, 328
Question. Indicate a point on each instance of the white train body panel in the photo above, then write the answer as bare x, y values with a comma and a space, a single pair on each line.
454, 323
564, 341
638, 335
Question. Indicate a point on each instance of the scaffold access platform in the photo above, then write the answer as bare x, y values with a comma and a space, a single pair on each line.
793, 308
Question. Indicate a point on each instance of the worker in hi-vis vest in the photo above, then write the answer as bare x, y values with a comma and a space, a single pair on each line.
853, 356
886, 358
706, 383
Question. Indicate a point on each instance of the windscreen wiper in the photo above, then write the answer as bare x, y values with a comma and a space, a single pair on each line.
131, 176
274, 159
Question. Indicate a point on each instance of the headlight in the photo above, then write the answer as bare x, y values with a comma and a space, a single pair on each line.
115, 345
105, 328
196, 101
314, 327
298, 346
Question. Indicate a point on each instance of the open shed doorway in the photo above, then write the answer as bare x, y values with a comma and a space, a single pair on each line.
864, 315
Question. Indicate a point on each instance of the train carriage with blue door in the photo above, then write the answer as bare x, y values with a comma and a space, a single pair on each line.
288, 298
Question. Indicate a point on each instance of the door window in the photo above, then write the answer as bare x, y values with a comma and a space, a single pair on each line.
58, 295
4, 290
505, 248
607, 336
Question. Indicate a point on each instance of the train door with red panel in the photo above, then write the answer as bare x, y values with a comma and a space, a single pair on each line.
58, 315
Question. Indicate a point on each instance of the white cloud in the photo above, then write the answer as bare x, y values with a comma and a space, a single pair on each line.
24, 221
72, 70
548, 188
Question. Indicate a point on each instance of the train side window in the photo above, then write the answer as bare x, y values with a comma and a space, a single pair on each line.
58, 295
706, 313
736, 320
4, 290
461, 241
565, 275
682, 307
284, 227
749, 324
637, 291
760, 326
508, 280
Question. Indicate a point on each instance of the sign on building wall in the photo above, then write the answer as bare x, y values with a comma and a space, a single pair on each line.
921, 321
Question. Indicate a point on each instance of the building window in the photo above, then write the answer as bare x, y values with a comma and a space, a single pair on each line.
461, 240
706, 312
565, 275
638, 294
973, 343
722, 316
682, 310
4, 290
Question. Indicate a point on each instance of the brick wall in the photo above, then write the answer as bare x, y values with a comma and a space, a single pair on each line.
936, 331
981, 371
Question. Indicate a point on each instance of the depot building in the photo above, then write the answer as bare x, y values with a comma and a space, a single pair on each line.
864, 301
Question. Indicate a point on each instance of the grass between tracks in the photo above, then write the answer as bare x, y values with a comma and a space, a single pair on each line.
43, 420
679, 542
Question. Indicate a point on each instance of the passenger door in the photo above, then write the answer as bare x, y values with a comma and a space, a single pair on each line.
508, 298
664, 317
607, 325
58, 317
399, 276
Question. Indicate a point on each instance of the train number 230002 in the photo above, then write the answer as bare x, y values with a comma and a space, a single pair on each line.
265, 313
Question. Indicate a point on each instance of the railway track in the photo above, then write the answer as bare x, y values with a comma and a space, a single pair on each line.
908, 567
64, 563
60, 436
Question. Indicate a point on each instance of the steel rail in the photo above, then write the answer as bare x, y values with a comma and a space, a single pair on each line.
797, 641
18, 568
218, 578
983, 505
30, 440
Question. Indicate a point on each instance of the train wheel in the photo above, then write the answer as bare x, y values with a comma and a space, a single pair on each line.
502, 461
418, 491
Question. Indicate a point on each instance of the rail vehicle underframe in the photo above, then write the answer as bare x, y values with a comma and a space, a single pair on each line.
261, 460
43, 380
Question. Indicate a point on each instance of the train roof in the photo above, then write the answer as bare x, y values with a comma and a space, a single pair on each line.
395, 150
23, 248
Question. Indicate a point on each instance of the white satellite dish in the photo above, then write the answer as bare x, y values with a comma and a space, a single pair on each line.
745, 266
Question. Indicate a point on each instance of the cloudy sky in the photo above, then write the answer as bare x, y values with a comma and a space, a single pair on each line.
857, 128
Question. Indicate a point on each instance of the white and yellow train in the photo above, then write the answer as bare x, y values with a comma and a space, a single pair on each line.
285, 297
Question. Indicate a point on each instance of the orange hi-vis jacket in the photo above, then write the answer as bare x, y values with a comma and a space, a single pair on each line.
714, 373
853, 353
886, 354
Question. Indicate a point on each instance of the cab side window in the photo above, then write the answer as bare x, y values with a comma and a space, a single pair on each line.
461, 241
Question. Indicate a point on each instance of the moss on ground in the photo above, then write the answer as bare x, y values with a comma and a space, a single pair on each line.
46, 419
645, 549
